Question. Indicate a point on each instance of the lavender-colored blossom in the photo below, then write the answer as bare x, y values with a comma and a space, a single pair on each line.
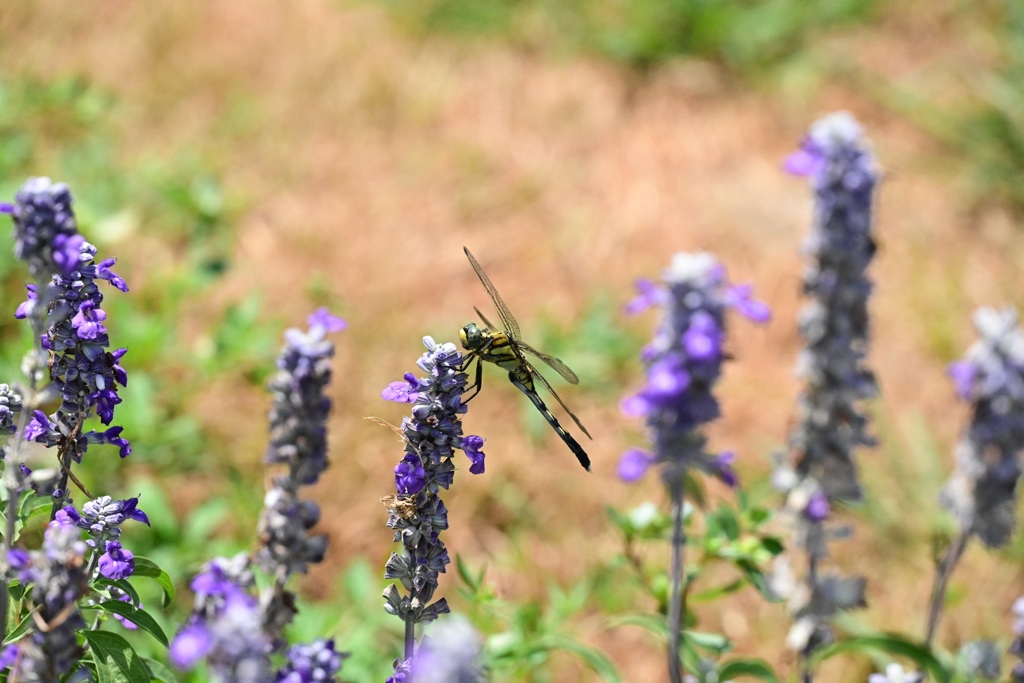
831, 424
417, 513
683, 362
59, 580
317, 662
449, 654
121, 596
982, 492
102, 517
402, 673
225, 627
117, 562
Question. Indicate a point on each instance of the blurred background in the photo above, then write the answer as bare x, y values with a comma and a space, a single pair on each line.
248, 161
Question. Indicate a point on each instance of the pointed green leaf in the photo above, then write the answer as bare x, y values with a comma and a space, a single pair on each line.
895, 645
135, 615
116, 661
753, 668
159, 671
148, 568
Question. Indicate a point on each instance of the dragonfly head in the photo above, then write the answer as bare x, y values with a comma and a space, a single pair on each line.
471, 337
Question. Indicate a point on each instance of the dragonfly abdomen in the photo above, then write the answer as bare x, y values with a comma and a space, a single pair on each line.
527, 388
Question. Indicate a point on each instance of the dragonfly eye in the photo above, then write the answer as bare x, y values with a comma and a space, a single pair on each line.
470, 336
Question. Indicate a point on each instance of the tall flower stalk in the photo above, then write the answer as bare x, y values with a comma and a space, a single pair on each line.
231, 628
982, 493
416, 512
72, 360
64, 308
831, 422
684, 361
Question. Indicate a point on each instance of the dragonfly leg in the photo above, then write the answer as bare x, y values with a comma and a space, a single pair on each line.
477, 383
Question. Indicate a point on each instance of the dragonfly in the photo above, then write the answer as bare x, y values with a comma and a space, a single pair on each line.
506, 349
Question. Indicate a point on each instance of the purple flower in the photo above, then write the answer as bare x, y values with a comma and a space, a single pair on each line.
298, 418
982, 492
117, 562
225, 627
124, 597
432, 435
8, 656
316, 662
471, 446
634, 464
683, 363
449, 654
831, 422
818, 508
402, 392
322, 317
190, 645
722, 466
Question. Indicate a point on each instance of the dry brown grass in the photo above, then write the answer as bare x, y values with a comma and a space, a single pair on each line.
371, 159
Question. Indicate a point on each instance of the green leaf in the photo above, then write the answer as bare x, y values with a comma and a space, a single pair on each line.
135, 615
754, 668
895, 645
649, 622
159, 671
116, 661
772, 545
20, 630
591, 657
715, 642
146, 567
715, 593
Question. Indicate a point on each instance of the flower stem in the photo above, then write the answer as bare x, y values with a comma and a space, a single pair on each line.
676, 608
945, 569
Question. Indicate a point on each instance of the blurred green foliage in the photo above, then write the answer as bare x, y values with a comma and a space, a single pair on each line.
741, 34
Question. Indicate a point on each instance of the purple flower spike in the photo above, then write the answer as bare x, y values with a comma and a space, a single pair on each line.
684, 361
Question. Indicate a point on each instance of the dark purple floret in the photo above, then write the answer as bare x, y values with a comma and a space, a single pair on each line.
118, 562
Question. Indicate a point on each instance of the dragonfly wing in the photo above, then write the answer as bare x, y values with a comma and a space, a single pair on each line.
557, 365
544, 383
507, 319
484, 318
